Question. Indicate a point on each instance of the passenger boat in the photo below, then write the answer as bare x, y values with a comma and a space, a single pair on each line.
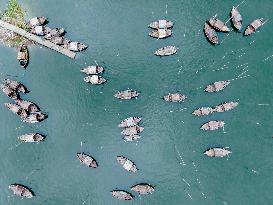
127, 164
75, 46
166, 51
174, 97
92, 70
15, 85
9, 92
218, 25
129, 122
131, 138
132, 130
36, 21
236, 18
254, 26
210, 34
217, 152
16, 109
161, 24
87, 160
94, 79
122, 195
225, 106
217, 86
213, 125
21, 190
22, 56
143, 188
127, 94
34, 117
203, 111
27, 105
161, 33
32, 137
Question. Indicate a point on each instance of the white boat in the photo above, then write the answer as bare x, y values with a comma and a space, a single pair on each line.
217, 152
160, 33
32, 137
94, 79
92, 70
166, 51
127, 164
161, 24
129, 122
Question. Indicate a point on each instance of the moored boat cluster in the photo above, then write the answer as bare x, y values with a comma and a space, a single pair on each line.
214, 24
131, 129
92, 75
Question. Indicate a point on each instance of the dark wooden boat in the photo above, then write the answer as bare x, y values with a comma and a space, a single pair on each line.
9, 92
217, 152
127, 164
15, 85
143, 188
21, 190
87, 160
254, 26
27, 105
210, 34
218, 25
34, 117
122, 195
56, 32
236, 18
16, 109
36, 21
23, 56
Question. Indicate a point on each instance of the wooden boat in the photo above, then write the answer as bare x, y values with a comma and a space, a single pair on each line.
217, 86
161, 24
213, 125
58, 40
94, 79
203, 111
143, 188
217, 152
236, 18
32, 137
225, 106
127, 94
254, 26
15, 85
218, 25
16, 109
161, 33
132, 130
129, 122
122, 195
92, 70
56, 32
21, 190
166, 51
87, 160
74, 46
9, 92
34, 117
130, 138
36, 21
40, 30
210, 34
174, 97
127, 164
27, 105
23, 56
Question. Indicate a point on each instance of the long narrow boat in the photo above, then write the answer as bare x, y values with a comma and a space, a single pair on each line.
174, 97
87, 160
236, 18
16, 86
27, 105
92, 70
129, 122
127, 164
23, 56
21, 190
94, 79
217, 86
210, 34
36, 21
9, 91
32, 137
166, 51
217, 152
161, 24
16, 109
225, 106
254, 26
132, 130
143, 188
213, 125
127, 94
122, 195
203, 111
161, 33
218, 25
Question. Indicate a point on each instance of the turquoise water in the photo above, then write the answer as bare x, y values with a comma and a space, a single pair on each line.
170, 153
